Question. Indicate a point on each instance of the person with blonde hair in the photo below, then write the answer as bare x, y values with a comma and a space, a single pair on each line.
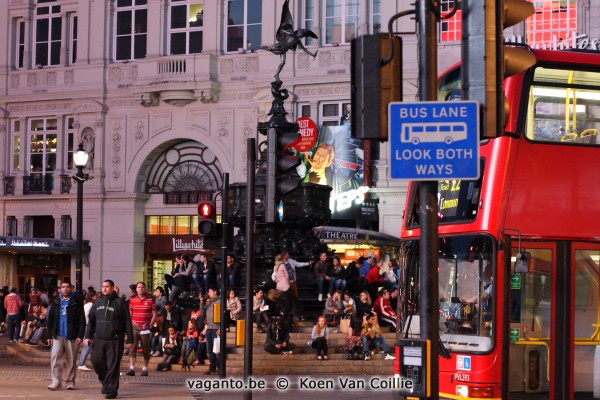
282, 278
318, 338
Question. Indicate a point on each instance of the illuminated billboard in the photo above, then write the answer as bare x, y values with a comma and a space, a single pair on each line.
332, 157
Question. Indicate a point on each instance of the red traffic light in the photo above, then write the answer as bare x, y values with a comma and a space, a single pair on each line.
206, 210
206, 218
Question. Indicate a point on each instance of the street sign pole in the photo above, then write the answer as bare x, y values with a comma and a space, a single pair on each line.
224, 280
250, 230
428, 301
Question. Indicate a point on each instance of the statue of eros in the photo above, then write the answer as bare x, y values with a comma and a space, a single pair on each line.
288, 38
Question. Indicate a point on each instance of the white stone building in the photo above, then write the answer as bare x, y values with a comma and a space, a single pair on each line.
164, 95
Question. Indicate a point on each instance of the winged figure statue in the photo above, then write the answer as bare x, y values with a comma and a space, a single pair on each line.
288, 38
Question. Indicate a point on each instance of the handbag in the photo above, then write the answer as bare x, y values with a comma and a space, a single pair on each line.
344, 325
216, 345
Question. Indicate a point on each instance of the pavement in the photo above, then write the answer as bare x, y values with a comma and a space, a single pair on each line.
30, 382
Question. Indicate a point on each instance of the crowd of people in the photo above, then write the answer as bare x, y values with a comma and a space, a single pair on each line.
347, 291
24, 317
108, 325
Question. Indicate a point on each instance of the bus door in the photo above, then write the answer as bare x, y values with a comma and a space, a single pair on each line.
554, 322
530, 315
585, 312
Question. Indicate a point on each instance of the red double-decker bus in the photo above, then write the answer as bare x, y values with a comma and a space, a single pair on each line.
519, 248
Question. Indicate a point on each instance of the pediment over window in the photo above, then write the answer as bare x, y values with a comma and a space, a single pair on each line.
176, 93
87, 106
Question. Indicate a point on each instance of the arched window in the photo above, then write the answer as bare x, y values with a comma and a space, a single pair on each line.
185, 173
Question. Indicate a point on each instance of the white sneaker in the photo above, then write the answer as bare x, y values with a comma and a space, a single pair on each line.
83, 368
328, 294
389, 357
320, 297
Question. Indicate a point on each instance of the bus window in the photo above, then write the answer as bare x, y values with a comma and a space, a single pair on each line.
537, 294
458, 200
466, 288
586, 320
564, 107
449, 85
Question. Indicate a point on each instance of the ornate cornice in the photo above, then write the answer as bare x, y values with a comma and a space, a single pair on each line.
54, 199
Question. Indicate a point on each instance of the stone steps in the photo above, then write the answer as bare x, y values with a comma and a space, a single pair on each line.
303, 361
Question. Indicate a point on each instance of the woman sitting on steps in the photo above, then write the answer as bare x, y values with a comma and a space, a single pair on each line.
319, 338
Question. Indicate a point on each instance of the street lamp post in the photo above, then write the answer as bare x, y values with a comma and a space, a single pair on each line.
80, 158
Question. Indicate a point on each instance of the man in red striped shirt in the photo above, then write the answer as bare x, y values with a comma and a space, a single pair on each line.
143, 313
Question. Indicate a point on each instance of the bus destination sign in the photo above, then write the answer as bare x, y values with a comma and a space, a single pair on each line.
434, 140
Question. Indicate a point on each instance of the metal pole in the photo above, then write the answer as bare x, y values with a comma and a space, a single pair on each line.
79, 177
250, 227
271, 176
224, 245
429, 297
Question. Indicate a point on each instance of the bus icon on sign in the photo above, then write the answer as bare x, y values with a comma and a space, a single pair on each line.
434, 132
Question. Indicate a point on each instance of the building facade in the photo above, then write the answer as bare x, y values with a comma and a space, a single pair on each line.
164, 94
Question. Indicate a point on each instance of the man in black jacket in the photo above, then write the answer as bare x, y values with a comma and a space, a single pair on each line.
209, 271
66, 326
278, 338
109, 322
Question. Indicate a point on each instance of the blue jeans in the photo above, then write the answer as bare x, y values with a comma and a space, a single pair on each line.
85, 351
175, 290
340, 284
14, 326
207, 281
378, 341
198, 283
156, 343
211, 334
321, 281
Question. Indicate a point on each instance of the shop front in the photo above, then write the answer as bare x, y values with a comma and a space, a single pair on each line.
349, 244
39, 263
160, 251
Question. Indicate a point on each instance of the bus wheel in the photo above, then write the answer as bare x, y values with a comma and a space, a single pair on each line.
415, 141
448, 140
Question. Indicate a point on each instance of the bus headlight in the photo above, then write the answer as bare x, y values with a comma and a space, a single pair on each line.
462, 390
475, 392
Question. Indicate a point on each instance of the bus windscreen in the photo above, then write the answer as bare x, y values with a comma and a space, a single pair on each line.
457, 201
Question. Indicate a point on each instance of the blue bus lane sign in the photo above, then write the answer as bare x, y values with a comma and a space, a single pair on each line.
434, 140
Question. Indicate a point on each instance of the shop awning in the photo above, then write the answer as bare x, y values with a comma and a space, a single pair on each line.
340, 235
15, 244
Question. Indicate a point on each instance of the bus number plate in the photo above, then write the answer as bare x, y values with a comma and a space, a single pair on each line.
462, 377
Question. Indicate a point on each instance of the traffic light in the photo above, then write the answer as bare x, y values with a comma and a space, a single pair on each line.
374, 84
482, 81
207, 223
510, 60
282, 164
